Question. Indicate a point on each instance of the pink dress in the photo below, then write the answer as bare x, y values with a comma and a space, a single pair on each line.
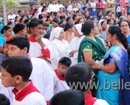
123, 6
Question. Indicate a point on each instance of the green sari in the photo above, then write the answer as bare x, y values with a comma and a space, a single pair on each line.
98, 51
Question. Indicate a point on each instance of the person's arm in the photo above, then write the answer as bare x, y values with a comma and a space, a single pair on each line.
88, 58
44, 50
108, 68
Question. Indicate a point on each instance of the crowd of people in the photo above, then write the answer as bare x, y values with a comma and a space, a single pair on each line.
75, 53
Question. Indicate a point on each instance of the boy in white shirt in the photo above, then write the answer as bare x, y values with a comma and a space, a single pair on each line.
60, 84
16, 72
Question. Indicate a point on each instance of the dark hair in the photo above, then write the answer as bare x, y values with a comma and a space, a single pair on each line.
87, 26
43, 8
48, 16
74, 16
115, 30
68, 26
19, 11
108, 12
40, 16
80, 72
34, 22
56, 20
102, 22
68, 18
108, 20
9, 23
19, 27
5, 28
20, 42
16, 18
18, 65
68, 97
4, 100
122, 21
62, 17
65, 61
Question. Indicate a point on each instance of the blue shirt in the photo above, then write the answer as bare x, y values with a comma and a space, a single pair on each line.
2, 41
128, 39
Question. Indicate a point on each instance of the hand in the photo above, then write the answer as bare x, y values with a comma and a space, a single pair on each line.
38, 38
96, 66
72, 52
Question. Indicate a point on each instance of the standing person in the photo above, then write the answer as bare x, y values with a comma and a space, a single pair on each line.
52, 7
7, 34
69, 34
38, 44
114, 69
111, 6
75, 43
16, 72
59, 46
81, 75
42, 75
91, 48
63, 64
102, 6
40, 9
92, 8
20, 30
124, 26
11, 16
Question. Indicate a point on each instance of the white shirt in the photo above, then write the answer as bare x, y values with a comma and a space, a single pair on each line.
74, 45
40, 10
100, 102
59, 49
51, 8
33, 98
43, 77
11, 17
58, 6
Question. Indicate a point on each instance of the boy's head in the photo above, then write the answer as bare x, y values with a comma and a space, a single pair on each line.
68, 97
15, 70
80, 75
4, 100
63, 65
18, 46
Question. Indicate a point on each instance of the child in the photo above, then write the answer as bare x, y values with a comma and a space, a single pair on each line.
16, 72
68, 97
4, 100
63, 65
42, 76
79, 77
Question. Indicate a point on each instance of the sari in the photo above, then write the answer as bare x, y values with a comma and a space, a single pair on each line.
98, 51
115, 95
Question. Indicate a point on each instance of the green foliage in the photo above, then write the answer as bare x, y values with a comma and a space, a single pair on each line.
1, 3
11, 3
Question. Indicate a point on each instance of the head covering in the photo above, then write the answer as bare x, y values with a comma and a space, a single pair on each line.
55, 33
100, 21
78, 28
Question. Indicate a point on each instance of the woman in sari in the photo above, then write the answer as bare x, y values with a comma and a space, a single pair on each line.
114, 70
91, 48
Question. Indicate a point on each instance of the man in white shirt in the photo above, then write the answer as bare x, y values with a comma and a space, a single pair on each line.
40, 9
52, 7
58, 6
11, 16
